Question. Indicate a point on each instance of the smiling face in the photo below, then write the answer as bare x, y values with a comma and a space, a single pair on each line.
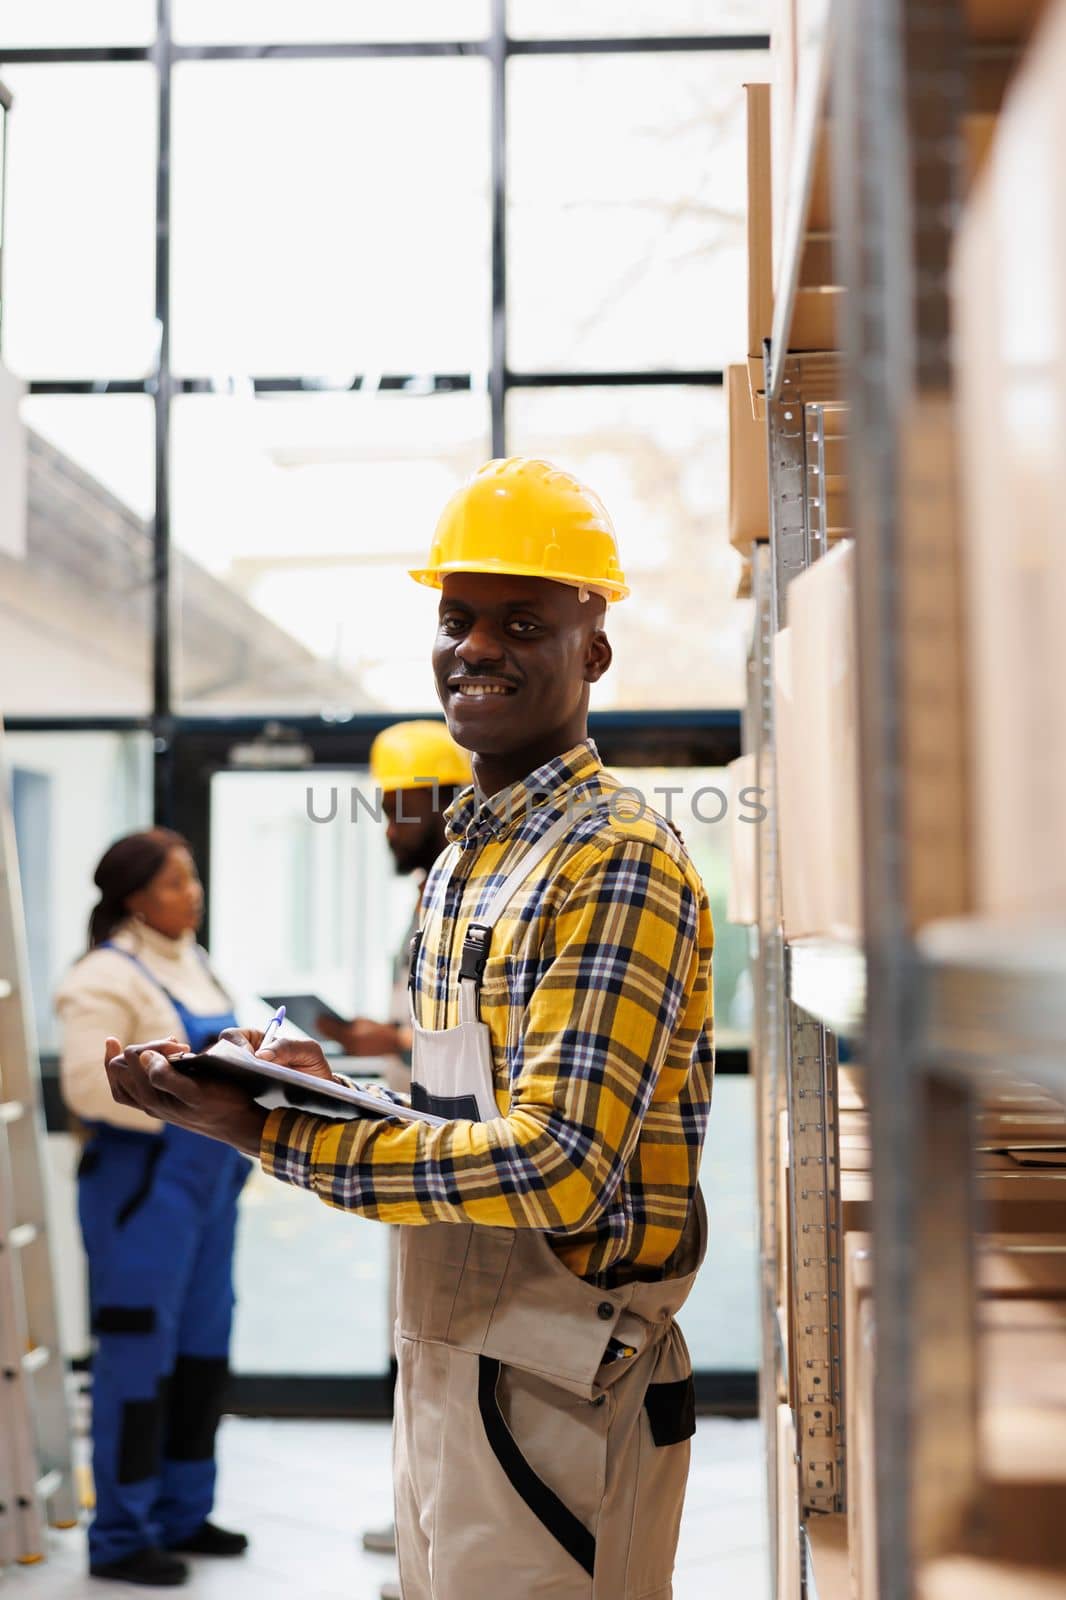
513, 660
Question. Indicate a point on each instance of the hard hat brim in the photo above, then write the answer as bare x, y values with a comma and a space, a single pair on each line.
433, 577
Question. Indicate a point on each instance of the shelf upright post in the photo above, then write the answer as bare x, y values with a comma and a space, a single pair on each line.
898, 96
809, 1051
769, 999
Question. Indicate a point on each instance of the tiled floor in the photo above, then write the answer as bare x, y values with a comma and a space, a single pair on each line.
303, 1491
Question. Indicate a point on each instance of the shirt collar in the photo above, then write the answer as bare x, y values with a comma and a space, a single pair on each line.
473, 817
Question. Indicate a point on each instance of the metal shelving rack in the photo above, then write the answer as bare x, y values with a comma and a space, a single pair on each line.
795, 1051
939, 998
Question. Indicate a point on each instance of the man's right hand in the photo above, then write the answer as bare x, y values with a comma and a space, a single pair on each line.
304, 1055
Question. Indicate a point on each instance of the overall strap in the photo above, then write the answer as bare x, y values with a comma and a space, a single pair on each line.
478, 938
452, 853
109, 944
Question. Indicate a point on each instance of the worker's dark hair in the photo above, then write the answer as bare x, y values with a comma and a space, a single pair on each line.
129, 864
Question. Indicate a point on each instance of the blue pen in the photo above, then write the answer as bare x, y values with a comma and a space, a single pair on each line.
273, 1028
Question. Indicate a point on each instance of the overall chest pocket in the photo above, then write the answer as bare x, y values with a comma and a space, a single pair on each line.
501, 1010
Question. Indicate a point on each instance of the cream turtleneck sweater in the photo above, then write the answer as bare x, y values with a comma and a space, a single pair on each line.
105, 994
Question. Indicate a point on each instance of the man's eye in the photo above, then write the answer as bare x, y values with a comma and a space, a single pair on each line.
522, 625
452, 624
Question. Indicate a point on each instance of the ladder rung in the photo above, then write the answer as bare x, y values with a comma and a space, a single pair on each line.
36, 1358
49, 1484
22, 1235
11, 1110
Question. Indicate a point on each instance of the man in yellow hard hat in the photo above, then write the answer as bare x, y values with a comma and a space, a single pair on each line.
561, 990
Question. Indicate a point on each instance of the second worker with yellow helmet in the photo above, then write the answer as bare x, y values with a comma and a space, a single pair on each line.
416, 769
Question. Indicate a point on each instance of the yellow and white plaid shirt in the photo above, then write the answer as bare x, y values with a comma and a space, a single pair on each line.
597, 995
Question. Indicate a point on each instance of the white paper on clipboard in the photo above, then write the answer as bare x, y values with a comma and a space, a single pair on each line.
290, 1090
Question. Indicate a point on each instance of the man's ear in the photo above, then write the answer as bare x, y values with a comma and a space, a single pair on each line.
599, 656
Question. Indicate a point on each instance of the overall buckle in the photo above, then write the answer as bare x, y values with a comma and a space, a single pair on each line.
415, 946
475, 952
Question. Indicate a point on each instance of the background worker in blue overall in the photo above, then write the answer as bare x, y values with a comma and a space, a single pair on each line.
158, 1209
561, 1001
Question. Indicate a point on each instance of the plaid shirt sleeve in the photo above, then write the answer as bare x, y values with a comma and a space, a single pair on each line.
619, 963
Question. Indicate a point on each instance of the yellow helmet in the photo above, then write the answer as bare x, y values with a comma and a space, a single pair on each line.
526, 517
411, 755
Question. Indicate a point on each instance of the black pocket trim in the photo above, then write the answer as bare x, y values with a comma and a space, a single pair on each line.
671, 1409
124, 1319
455, 1108
144, 1188
545, 1505
197, 1393
140, 1450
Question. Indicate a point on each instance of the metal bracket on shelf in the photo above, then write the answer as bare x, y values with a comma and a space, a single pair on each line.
825, 443
787, 457
816, 1258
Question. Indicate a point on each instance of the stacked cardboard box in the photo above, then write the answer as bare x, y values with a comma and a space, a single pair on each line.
742, 905
789, 1585
818, 755
1010, 317
749, 485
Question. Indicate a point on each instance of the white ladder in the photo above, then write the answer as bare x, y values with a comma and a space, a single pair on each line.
36, 1480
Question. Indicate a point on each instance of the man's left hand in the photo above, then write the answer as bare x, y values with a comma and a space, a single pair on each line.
141, 1075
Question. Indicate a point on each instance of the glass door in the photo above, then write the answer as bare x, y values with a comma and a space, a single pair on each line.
303, 899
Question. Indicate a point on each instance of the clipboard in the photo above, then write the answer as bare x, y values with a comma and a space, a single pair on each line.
285, 1086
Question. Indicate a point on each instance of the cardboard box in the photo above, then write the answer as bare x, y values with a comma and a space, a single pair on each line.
1002, 21
818, 754
742, 905
1023, 1378
859, 1367
968, 1578
816, 319
827, 1537
851, 1087
1010, 1202
788, 1508
799, 828
749, 477
1010, 320
760, 220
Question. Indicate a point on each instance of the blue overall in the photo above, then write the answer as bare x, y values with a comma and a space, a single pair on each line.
158, 1216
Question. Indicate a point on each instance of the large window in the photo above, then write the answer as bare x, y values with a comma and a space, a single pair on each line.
285, 277
297, 517
626, 242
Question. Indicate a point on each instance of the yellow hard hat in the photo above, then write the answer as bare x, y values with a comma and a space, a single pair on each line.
526, 517
411, 755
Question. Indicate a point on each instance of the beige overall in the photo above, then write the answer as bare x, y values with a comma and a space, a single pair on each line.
542, 1423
